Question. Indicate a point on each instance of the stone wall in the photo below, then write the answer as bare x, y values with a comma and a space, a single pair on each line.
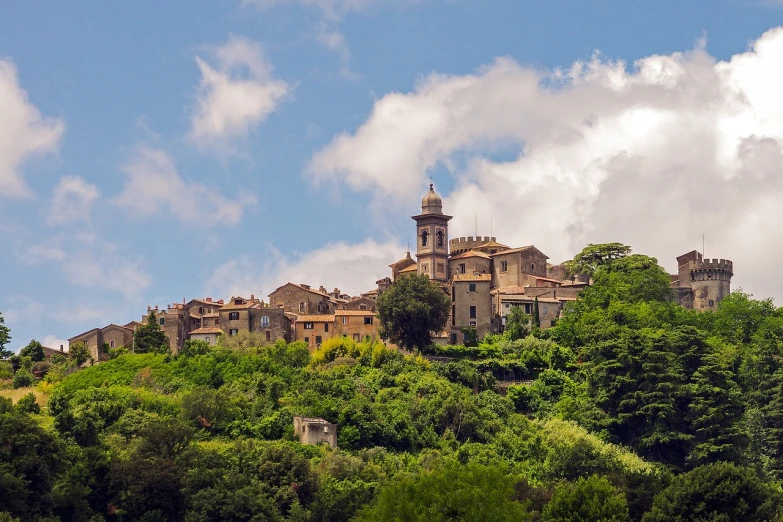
463, 299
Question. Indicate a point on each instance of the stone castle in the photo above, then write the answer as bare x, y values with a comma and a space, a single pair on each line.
485, 280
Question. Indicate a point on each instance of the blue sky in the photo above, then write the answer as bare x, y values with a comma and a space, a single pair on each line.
153, 151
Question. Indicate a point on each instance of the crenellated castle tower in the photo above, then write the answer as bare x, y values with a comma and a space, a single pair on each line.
703, 283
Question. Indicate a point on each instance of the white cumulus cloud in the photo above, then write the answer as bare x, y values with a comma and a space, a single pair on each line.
71, 201
154, 183
654, 154
237, 92
24, 133
352, 267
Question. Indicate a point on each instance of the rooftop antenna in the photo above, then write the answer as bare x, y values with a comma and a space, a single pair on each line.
490, 225
702, 247
476, 216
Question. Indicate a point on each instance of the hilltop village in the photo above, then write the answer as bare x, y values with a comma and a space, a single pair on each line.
484, 278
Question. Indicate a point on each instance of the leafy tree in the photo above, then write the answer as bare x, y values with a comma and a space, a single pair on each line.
592, 256
517, 324
23, 379
30, 460
536, 314
716, 492
79, 353
28, 404
468, 493
34, 350
714, 414
5, 338
412, 310
592, 499
150, 338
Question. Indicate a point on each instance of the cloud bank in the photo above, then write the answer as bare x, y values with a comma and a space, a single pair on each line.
24, 133
654, 154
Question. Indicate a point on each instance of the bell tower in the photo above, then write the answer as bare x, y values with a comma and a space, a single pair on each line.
432, 238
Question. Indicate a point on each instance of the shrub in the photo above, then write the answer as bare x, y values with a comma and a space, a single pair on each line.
22, 379
6, 405
41, 368
28, 404
6, 370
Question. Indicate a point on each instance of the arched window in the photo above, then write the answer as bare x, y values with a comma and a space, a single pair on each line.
424, 237
440, 238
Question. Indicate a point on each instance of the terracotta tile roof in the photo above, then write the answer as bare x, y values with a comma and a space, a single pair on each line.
206, 330
51, 351
471, 253
365, 313
473, 277
539, 278
515, 250
323, 318
405, 259
307, 289
412, 268
509, 290
248, 304
493, 244
210, 303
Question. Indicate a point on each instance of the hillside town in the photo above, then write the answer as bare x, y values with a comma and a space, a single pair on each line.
484, 278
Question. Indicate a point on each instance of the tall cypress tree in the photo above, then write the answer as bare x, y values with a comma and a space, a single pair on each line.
714, 415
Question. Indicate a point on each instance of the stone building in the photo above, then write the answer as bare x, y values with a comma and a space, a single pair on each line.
112, 335
360, 303
700, 284
313, 431
314, 329
432, 232
301, 299
175, 323
471, 305
359, 325
252, 315
200, 308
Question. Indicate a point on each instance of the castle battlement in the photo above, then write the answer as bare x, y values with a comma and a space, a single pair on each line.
459, 245
714, 264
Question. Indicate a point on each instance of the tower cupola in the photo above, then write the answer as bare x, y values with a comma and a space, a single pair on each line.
431, 203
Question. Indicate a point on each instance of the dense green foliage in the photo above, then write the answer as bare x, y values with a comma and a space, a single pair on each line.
149, 338
5, 338
629, 408
412, 310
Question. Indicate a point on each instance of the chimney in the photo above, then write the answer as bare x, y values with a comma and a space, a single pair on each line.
149, 308
322, 289
156, 308
209, 299
219, 302
61, 348
252, 297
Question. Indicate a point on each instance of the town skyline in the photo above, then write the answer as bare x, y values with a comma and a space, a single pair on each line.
153, 158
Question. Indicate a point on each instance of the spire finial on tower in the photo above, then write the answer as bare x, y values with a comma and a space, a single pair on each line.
432, 186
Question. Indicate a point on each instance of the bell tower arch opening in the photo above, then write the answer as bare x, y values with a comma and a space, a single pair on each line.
432, 229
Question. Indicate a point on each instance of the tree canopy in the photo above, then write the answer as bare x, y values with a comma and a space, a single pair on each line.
5, 338
412, 310
150, 337
33, 350
592, 256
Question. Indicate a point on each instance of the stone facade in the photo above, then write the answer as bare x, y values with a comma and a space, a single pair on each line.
470, 263
272, 323
175, 323
518, 267
471, 305
432, 244
301, 299
208, 334
113, 335
314, 329
360, 303
701, 284
359, 325
315, 431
